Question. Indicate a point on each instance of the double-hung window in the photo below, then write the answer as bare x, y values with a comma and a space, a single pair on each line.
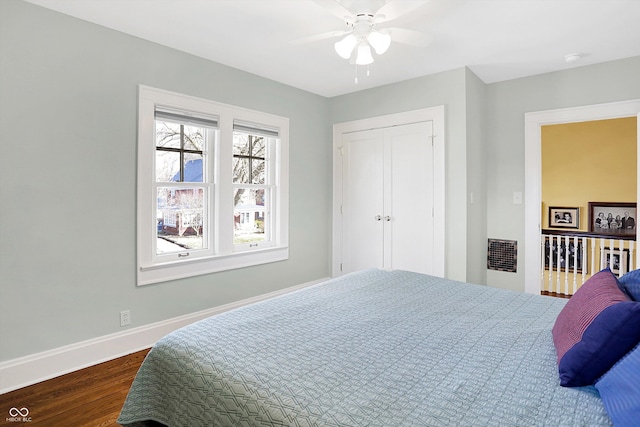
212, 187
183, 184
254, 192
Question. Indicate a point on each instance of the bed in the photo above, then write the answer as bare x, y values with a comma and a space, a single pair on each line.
372, 348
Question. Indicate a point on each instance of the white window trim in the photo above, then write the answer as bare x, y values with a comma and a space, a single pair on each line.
223, 257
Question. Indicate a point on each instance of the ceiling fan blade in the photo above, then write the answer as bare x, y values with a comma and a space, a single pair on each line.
335, 8
396, 8
410, 37
318, 37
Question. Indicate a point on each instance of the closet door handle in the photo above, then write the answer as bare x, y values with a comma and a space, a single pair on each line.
387, 218
378, 218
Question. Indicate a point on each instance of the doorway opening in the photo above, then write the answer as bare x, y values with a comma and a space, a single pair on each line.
533, 171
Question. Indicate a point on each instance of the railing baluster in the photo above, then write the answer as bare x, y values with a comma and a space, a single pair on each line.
593, 256
574, 286
611, 252
543, 255
577, 254
565, 257
584, 260
551, 261
623, 260
558, 253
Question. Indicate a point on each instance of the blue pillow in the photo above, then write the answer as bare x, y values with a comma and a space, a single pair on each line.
631, 283
620, 390
598, 325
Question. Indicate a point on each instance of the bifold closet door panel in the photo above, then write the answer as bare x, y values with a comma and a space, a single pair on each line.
409, 198
362, 201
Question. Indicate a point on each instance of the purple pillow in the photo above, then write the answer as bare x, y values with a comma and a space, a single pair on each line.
597, 326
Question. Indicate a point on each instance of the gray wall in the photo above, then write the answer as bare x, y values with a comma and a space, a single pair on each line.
68, 106
476, 180
507, 103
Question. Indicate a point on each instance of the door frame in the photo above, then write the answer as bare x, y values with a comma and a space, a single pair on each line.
533, 171
434, 114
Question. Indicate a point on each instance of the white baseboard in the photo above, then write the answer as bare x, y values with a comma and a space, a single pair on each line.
34, 368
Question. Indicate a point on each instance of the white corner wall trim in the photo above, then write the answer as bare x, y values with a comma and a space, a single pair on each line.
34, 368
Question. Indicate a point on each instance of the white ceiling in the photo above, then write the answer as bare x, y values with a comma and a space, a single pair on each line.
497, 39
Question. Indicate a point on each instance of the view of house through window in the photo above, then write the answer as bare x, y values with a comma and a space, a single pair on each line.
181, 204
181, 196
252, 186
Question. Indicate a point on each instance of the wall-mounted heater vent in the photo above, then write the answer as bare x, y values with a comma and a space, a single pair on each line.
502, 255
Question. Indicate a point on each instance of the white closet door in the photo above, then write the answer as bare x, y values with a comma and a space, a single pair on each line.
362, 201
409, 194
388, 199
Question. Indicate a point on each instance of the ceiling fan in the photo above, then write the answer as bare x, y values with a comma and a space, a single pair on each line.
367, 26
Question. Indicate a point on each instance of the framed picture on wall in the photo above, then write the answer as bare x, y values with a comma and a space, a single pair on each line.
616, 260
558, 254
564, 217
613, 219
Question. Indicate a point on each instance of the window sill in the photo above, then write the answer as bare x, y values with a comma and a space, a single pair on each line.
165, 272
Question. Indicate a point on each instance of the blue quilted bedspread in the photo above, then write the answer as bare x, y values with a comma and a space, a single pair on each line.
374, 348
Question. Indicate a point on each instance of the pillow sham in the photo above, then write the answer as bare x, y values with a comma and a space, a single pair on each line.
619, 389
631, 284
598, 325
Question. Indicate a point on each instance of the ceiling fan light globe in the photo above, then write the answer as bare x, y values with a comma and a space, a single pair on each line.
364, 55
345, 47
379, 41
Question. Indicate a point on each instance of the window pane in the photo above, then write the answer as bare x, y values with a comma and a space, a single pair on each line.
241, 170
180, 214
258, 146
241, 144
167, 166
249, 164
258, 171
250, 207
194, 138
192, 168
167, 134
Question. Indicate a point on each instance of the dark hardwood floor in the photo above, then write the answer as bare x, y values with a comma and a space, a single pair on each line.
89, 397
555, 294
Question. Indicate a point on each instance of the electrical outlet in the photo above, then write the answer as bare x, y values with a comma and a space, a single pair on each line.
125, 318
